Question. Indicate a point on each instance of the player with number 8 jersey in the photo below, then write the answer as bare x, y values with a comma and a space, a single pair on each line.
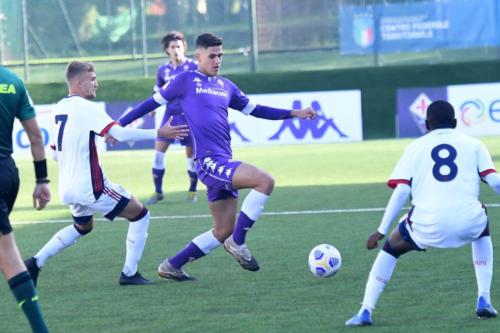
441, 171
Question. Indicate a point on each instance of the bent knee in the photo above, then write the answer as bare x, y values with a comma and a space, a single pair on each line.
84, 229
222, 233
266, 184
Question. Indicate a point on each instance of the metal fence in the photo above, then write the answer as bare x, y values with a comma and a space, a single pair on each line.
38, 37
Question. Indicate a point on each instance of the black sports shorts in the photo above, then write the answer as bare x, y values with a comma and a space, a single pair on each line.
9, 186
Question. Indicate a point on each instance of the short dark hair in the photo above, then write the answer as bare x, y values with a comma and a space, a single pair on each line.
207, 40
75, 68
440, 114
171, 36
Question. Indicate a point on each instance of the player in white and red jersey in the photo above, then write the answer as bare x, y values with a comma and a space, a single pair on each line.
77, 122
441, 171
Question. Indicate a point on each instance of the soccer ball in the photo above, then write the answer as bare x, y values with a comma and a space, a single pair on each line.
324, 260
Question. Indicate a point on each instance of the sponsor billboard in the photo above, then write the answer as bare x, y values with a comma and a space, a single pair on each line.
339, 120
388, 28
477, 108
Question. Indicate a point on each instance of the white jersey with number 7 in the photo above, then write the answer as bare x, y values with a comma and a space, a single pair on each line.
76, 123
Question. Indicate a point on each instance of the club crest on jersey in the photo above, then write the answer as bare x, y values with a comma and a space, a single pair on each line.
197, 81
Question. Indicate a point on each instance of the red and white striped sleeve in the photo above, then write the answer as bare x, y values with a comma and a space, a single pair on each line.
100, 121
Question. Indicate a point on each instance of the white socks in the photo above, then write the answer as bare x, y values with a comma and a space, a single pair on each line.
383, 267
482, 258
191, 164
206, 241
380, 275
61, 240
159, 160
253, 205
136, 241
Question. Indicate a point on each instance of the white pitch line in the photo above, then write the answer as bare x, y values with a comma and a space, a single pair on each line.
204, 216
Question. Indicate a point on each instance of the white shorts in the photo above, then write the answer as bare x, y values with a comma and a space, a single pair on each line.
111, 203
451, 236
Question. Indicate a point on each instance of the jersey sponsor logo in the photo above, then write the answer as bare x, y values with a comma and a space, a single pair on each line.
316, 127
6, 88
211, 91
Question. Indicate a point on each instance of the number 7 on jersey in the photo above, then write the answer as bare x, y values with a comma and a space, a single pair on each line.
61, 118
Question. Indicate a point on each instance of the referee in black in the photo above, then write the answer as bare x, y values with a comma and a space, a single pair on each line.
15, 103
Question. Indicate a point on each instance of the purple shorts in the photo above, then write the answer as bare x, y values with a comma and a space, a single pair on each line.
216, 173
179, 119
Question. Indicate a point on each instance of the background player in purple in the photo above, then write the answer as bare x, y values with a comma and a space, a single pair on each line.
205, 98
175, 45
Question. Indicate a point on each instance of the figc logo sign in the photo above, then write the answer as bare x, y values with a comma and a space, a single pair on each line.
363, 30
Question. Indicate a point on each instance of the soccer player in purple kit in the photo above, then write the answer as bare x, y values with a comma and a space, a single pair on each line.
205, 98
174, 44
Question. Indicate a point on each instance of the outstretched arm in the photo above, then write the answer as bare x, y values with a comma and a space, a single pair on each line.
41, 193
147, 106
167, 131
394, 206
266, 112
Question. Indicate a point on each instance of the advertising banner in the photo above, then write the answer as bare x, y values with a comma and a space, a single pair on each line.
339, 120
390, 28
477, 108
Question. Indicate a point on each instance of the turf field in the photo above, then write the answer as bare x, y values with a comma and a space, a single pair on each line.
324, 193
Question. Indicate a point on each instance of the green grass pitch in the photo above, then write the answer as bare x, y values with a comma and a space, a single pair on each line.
78, 289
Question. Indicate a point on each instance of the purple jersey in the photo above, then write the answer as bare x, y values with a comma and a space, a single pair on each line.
205, 101
167, 72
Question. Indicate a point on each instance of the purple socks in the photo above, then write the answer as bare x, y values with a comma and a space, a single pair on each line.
189, 253
242, 226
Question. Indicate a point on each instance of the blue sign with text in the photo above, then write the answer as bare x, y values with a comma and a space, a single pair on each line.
393, 28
